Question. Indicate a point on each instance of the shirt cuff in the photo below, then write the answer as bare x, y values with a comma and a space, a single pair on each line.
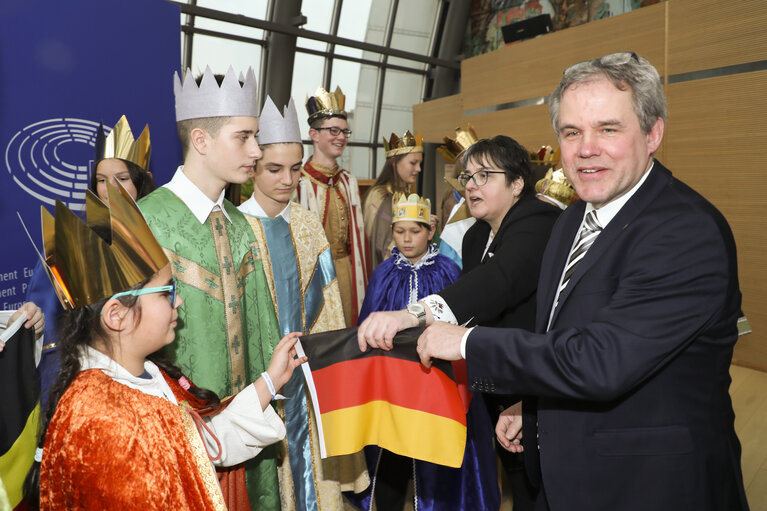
463, 342
440, 309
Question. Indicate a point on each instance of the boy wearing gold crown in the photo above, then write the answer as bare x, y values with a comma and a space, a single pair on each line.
227, 329
332, 193
299, 268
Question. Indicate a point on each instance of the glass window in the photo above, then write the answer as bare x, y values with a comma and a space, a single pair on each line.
318, 16
346, 75
376, 25
307, 76
413, 30
208, 50
353, 24
401, 91
361, 118
250, 8
357, 161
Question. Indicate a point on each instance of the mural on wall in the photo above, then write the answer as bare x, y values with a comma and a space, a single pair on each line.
483, 33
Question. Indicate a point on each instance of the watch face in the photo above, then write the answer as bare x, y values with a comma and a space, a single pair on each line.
416, 308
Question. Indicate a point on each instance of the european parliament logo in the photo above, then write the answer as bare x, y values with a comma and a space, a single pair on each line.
52, 159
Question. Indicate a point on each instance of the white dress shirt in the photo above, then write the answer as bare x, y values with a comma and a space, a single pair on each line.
251, 207
199, 203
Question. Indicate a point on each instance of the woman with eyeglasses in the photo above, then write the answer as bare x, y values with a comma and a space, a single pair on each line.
501, 261
404, 157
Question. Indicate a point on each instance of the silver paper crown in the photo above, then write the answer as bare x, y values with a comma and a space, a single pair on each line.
210, 100
274, 127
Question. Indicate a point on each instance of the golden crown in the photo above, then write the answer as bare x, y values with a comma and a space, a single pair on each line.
410, 207
326, 104
556, 186
545, 156
405, 145
453, 148
112, 251
120, 144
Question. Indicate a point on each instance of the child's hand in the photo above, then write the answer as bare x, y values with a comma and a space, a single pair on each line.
284, 360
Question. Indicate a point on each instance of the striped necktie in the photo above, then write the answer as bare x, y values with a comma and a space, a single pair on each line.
586, 238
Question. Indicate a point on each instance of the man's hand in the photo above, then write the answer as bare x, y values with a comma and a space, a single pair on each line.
509, 428
378, 329
441, 340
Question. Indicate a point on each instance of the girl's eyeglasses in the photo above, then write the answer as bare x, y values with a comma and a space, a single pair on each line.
170, 289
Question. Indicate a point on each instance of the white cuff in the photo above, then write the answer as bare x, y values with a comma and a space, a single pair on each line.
440, 309
463, 342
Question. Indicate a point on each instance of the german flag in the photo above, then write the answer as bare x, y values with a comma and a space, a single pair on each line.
384, 398
19, 412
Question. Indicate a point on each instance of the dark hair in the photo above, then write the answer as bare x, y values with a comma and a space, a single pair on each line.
389, 174
317, 123
506, 154
142, 180
78, 328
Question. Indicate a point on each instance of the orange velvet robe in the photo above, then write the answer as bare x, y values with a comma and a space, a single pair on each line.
113, 447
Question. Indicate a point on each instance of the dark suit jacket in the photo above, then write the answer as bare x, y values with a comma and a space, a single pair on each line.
500, 290
632, 380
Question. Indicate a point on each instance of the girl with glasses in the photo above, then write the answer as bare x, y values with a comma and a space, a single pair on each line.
124, 429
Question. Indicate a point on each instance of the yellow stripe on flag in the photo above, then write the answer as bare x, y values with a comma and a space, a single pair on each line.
15, 463
426, 436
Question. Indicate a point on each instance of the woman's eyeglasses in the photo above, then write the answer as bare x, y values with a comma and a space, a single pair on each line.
479, 177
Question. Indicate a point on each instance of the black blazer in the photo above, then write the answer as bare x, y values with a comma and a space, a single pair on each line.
500, 290
632, 380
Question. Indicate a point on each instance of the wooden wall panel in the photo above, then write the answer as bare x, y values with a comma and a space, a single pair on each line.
706, 34
532, 68
438, 118
715, 142
530, 125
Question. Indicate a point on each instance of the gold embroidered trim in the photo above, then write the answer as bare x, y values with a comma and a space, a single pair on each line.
192, 274
231, 299
201, 459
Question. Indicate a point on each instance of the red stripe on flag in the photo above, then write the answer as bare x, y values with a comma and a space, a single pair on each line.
380, 378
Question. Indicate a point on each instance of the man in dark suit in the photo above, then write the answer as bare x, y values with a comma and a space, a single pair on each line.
637, 308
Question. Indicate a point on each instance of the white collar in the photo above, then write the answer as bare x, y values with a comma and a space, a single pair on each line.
91, 358
251, 207
199, 203
607, 212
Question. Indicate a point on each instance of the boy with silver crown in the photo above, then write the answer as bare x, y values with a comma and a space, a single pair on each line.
299, 268
332, 194
227, 330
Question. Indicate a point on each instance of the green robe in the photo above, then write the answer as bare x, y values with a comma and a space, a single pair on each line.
227, 329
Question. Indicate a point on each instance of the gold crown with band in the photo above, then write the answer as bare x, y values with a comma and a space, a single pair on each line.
453, 148
326, 104
112, 251
555, 185
121, 144
405, 145
411, 208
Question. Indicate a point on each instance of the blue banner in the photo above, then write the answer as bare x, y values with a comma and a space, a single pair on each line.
66, 67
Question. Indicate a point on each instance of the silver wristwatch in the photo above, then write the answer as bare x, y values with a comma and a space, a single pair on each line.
418, 310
